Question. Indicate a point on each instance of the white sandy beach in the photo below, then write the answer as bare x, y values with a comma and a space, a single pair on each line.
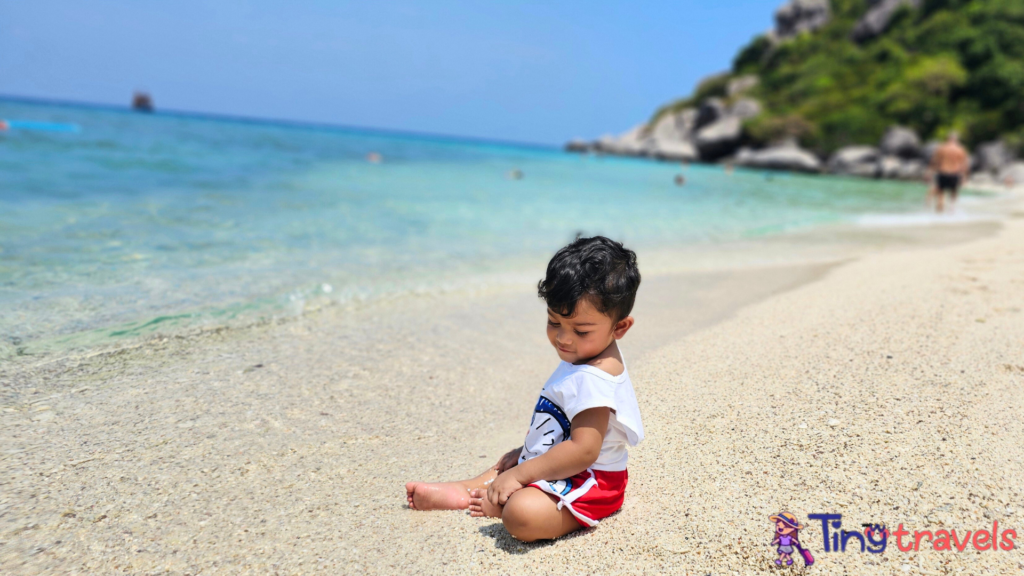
887, 388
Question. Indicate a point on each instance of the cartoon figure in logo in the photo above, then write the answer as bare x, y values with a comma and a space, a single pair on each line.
548, 427
787, 528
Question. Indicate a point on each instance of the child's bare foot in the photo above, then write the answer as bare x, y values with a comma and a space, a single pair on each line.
437, 496
480, 506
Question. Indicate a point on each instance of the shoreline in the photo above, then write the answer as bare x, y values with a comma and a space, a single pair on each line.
284, 446
807, 245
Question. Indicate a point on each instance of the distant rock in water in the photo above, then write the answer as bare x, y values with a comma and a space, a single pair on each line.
877, 18
798, 16
142, 102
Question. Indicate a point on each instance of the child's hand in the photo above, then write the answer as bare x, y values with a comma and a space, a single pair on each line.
508, 460
503, 486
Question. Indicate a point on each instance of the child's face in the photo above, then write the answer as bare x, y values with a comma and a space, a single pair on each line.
586, 334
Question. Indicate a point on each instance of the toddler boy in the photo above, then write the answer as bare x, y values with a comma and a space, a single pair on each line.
571, 470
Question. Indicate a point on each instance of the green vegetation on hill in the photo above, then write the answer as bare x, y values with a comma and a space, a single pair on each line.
950, 64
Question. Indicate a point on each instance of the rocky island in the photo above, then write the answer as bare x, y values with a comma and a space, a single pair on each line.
142, 102
854, 87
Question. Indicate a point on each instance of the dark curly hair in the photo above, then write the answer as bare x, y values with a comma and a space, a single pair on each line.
597, 268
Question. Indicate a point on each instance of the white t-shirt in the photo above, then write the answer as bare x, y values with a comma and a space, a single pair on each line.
573, 389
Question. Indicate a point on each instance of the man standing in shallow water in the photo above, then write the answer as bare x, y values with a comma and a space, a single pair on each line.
949, 165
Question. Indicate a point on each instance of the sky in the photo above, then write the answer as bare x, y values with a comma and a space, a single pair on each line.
527, 71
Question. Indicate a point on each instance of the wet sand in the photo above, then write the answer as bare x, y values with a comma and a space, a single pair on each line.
886, 388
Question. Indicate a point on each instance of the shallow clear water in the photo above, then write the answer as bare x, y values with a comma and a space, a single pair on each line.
141, 222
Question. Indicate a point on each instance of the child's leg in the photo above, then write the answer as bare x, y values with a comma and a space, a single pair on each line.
529, 514
446, 495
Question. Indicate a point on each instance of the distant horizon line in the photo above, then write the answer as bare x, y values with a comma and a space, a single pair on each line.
170, 112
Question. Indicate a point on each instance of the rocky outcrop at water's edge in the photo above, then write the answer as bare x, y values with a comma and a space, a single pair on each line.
715, 132
786, 103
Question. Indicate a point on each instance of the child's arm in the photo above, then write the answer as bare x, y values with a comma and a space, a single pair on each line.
564, 460
508, 460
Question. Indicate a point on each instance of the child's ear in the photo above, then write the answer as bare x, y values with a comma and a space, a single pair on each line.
621, 327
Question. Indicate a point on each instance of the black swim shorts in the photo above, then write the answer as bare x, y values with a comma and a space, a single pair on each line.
948, 182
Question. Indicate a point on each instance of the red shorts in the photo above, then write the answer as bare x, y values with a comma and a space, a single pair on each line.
590, 495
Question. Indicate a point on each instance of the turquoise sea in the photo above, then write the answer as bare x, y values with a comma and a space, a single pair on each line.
138, 223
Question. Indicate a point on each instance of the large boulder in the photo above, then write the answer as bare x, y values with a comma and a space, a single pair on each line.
633, 142
902, 142
855, 161
784, 157
688, 120
912, 170
896, 168
993, 156
675, 127
745, 108
877, 18
889, 166
720, 138
797, 16
709, 112
675, 151
671, 137
740, 85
